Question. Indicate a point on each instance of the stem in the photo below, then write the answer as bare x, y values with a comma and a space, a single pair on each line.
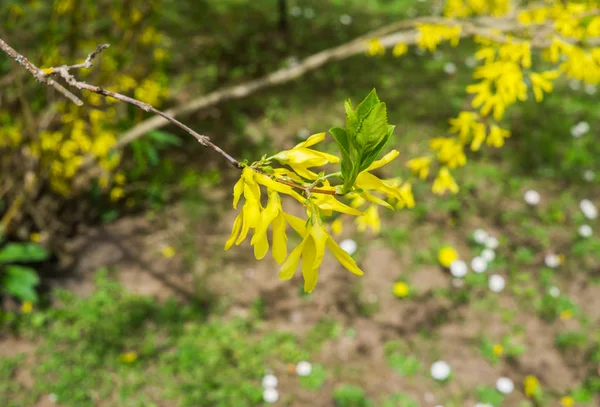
64, 72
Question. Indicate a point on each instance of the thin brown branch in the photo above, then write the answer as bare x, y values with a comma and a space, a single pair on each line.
37, 73
64, 72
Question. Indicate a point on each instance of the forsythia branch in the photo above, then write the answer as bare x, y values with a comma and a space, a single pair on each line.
44, 75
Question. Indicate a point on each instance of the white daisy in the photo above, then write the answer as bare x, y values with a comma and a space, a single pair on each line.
270, 395
478, 264
590, 89
450, 68
574, 84
488, 255
349, 246
588, 208
491, 242
269, 381
309, 13
345, 19
458, 268
580, 129
532, 197
496, 283
552, 260
585, 231
480, 236
554, 291
589, 175
303, 368
470, 62
303, 133
504, 385
440, 370
296, 11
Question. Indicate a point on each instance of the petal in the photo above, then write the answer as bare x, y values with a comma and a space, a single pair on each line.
266, 217
376, 200
238, 188
309, 255
291, 264
279, 239
311, 141
299, 225
261, 246
329, 203
303, 172
279, 187
343, 257
234, 231
383, 161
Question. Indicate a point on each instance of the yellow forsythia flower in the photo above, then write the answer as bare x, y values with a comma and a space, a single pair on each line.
116, 194
420, 166
369, 219
128, 357
312, 249
542, 82
400, 49
300, 158
272, 214
26, 307
337, 226
444, 182
375, 47
497, 136
401, 289
446, 256
531, 386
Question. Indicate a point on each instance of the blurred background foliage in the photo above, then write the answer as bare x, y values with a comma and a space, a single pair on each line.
165, 52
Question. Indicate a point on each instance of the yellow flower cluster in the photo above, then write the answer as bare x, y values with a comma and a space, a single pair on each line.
92, 130
431, 35
505, 75
466, 8
319, 199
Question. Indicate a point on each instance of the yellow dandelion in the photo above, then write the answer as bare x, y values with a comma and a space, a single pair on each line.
446, 256
401, 289
566, 314
168, 252
498, 349
567, 401
35, 237
531, 385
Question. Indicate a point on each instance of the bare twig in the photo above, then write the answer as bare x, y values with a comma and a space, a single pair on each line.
37, 73
64, 72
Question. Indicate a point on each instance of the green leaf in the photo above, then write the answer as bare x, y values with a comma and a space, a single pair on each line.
22, 252
152, 155
341, 139
373, 128
373, 154
368, 104
352, 122
20, 282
